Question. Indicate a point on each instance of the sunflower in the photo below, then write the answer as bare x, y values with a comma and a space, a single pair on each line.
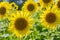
57, 5
50, 18
20, 24
4, 9
38, 3
46, 3
13, 5
30, 6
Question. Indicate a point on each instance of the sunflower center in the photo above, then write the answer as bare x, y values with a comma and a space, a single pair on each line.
12, 5
2, 10
58, 4
21, 24
38, 4
46, 1
50, 17
30, 7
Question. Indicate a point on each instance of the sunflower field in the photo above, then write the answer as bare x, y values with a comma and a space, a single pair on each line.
29, 19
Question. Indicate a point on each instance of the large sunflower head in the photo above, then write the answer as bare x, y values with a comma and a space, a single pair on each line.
46, 3
4, 9
50, 18
20, 24
30, 6
13, 5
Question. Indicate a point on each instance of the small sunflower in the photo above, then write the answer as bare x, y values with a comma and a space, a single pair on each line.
39, 6
13, 5
38, 3
4, 9
50, 18
30, 6
20, 24
46, 3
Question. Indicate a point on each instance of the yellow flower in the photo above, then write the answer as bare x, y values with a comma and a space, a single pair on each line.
4, 9
50, 18
20, 24
30, 6
39, 6
57, 5
13, 5
38, 3
46, 3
